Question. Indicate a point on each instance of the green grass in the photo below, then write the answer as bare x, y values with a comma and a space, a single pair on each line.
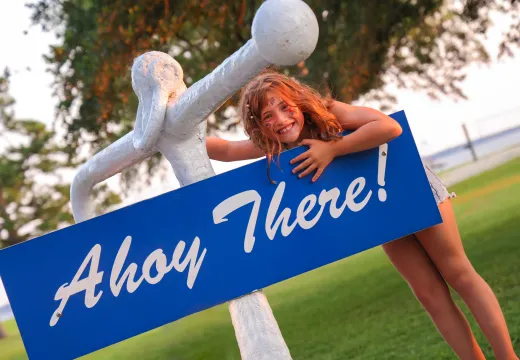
12, 346
357, 308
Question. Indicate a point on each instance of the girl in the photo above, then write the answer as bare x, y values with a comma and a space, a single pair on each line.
280, 113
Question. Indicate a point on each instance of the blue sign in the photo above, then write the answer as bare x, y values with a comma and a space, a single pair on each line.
154, 262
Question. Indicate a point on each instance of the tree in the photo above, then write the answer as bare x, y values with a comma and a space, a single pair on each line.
363, 45
34, 192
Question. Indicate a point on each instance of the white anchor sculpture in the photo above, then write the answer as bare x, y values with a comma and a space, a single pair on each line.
171, 119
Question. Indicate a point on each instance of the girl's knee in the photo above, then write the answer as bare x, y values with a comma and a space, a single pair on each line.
462, 279
432, 296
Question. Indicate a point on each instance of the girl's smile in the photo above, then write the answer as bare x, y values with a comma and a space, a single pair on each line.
285, 129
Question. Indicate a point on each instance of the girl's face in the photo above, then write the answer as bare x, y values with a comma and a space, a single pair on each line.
286, 120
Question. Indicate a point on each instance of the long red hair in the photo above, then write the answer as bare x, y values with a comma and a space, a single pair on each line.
319, 122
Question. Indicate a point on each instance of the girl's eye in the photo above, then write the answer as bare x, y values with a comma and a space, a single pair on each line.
284, 106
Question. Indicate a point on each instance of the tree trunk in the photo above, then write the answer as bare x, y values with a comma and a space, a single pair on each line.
3, 333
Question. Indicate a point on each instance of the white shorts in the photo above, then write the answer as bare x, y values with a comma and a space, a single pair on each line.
440, 192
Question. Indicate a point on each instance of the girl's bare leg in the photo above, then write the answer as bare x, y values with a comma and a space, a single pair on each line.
444, 246
414, 264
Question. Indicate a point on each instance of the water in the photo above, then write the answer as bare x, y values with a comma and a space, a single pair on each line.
461, 154
6, 313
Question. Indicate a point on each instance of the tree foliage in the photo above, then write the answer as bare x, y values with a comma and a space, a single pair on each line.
363, 45
34, 189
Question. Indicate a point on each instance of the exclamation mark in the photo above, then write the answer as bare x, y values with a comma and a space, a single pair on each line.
383, 152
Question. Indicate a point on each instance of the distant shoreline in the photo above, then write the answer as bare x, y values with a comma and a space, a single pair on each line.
476, 142
6, 313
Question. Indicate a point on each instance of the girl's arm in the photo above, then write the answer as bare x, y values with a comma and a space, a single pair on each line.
373, 128
224, 150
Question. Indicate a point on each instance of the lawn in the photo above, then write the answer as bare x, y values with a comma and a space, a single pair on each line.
357, 308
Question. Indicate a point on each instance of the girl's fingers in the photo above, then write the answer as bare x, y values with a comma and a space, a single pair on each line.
318, 174
300, 157
302, 166
308, 170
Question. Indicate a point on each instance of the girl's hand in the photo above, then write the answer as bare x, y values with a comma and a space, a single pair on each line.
319, 155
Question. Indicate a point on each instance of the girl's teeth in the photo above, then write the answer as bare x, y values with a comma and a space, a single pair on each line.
285, 129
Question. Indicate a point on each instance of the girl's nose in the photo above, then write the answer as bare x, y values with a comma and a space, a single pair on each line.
279, 116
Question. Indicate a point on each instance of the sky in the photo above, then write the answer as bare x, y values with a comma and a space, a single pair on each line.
492, 90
